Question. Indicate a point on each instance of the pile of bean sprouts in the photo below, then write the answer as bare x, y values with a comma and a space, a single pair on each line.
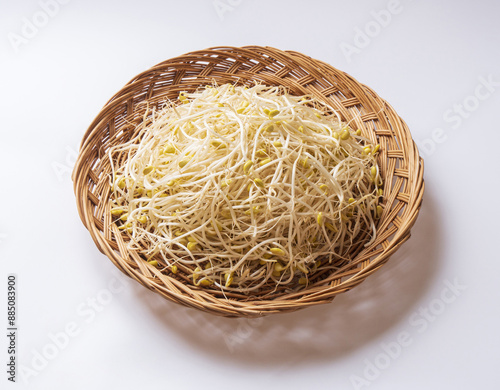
244, 188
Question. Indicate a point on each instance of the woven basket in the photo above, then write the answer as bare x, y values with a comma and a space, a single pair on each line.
399, 161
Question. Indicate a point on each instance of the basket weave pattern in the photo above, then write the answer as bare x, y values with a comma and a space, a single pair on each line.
399, 162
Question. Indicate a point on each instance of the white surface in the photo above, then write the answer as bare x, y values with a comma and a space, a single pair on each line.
429, 57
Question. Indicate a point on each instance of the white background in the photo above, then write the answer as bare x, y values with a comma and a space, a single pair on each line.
426, 60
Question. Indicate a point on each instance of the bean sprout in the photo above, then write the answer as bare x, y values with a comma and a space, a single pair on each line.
245, 188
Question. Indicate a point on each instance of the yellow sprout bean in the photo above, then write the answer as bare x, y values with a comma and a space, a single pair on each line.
254, 209
302, 268
242, 107
184, 162
191, 246
259, 182
278, 267
264, 162
128, 225
169, 149
247, 166
218, 144
228, 278
226, 183
277, 251
196, 274
345, 135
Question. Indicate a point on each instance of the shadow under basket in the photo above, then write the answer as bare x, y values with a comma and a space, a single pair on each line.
399, 162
